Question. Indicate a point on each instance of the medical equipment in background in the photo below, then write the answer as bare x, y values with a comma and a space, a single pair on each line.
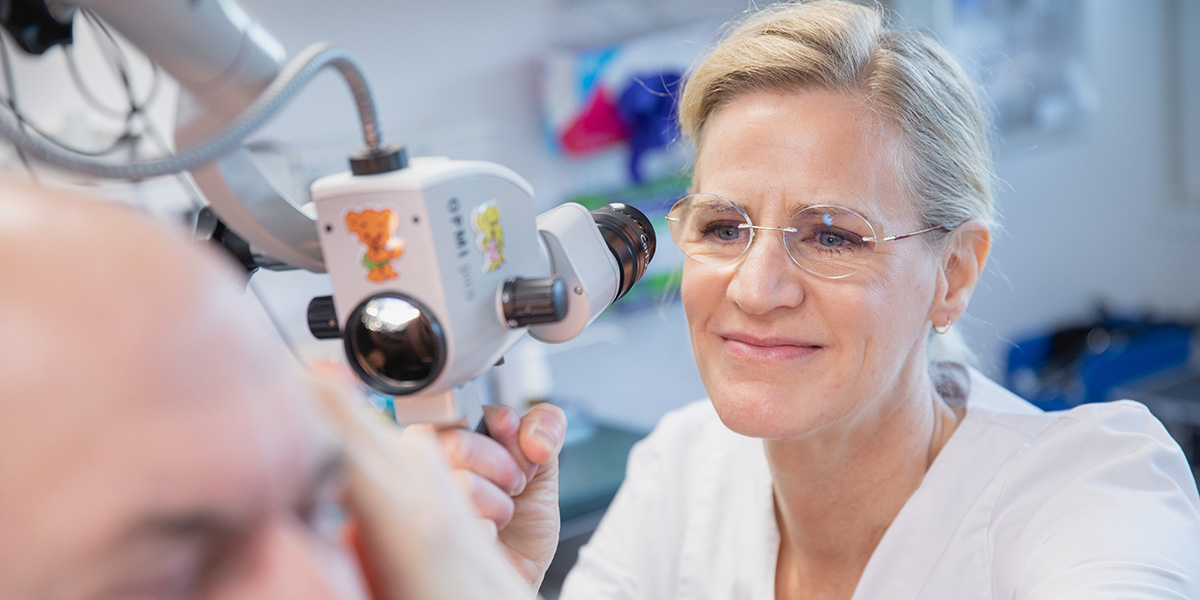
437, 266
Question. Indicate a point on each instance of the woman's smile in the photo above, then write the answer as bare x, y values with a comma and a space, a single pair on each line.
766, 349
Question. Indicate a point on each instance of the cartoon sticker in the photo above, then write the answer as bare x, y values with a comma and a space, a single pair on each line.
374, 229
485, 220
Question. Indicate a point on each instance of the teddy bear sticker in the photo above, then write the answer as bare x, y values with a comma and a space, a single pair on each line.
374, 229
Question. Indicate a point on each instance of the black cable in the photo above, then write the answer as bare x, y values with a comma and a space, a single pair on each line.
119, 62
11, 101
114, 53
85, 91
27, 125
136, 108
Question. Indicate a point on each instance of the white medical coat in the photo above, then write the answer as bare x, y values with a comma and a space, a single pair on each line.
1093, 503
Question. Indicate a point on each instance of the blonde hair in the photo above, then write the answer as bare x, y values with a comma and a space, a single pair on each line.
909, 79
906, 77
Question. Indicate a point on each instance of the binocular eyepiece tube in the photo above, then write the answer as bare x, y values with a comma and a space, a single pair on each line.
630, 238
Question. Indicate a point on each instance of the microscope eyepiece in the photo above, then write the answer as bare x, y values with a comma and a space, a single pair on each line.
630, 238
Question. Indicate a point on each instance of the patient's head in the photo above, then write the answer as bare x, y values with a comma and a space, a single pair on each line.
155, 439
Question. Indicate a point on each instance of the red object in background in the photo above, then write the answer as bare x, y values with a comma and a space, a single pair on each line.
598, 125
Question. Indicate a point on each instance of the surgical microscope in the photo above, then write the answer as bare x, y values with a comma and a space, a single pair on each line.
437, 266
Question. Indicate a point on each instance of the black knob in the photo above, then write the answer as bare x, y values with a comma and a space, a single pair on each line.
366, 161
209, 228
533, 301
322, 318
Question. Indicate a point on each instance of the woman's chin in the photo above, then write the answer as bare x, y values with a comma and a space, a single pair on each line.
760, 416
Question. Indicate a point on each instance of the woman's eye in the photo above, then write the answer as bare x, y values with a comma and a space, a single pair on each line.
725, 231
836, 239
832, 240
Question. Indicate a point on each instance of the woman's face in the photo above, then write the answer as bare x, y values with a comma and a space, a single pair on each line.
784, 353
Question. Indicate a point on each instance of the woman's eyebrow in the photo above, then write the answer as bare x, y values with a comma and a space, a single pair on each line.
716, 205
838, 209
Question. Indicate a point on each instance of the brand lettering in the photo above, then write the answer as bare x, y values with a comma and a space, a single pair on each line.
460, 228
461, 247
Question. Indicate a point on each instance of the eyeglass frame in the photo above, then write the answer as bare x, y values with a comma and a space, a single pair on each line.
749, 224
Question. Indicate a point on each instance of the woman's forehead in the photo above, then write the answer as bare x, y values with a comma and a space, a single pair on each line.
776, 154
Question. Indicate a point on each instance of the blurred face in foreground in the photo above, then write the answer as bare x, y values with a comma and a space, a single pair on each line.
155, 440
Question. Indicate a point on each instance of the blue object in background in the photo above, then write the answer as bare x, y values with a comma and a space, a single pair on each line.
1078, 365
647, 105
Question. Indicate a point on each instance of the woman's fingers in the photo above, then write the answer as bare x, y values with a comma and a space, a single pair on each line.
493, 470
484, 457
542, 432
504, 426
490, 502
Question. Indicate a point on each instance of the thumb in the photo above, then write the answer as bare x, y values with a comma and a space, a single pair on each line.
543, 430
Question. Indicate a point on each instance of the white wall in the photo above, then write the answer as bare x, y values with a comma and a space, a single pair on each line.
1090, 214
1095, 215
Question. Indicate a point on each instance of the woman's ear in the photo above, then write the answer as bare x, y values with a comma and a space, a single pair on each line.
962, 262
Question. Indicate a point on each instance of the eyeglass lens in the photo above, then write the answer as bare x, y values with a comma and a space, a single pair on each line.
828, 241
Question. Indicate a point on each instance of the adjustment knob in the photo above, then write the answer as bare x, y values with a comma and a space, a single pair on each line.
322, 318
533, 301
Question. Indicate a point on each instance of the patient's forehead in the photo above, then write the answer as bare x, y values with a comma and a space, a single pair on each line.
114, 314
134, 376
101, 290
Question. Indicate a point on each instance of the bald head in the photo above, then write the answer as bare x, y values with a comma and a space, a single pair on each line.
149, 415
91, 281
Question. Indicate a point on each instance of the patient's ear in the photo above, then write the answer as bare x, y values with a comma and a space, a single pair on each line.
962, 260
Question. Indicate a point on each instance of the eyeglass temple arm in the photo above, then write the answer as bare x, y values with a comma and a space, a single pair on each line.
893, 238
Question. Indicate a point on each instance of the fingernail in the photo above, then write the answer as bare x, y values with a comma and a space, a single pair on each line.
553, 442
518, 486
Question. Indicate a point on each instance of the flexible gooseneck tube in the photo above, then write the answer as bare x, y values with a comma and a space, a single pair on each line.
298, 73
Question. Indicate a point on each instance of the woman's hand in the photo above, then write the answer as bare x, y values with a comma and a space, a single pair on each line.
512, 479
417, 536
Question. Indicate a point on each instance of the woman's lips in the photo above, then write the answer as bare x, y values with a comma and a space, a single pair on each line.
767, 349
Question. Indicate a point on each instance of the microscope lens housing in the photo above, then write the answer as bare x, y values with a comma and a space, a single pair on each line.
396, 343
440, 267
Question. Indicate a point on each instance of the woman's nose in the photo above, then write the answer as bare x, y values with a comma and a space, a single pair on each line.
766, 278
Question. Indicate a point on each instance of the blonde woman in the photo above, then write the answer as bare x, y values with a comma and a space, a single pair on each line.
840, 219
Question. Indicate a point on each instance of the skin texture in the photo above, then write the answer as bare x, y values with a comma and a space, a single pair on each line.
157, 441
831, 373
